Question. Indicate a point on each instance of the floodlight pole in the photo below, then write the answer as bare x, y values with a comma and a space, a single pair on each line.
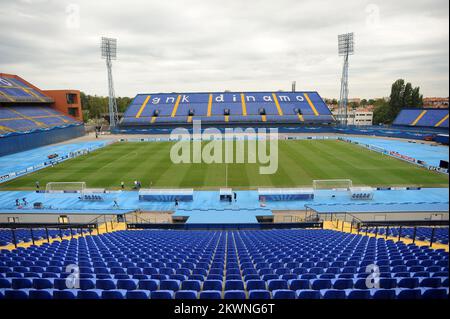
109, 47
113, 116
343, 99
346, 48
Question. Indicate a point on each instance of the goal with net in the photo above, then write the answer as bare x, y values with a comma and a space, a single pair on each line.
332, 184
55, 188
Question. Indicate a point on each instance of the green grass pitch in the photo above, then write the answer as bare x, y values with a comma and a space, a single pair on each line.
300, 162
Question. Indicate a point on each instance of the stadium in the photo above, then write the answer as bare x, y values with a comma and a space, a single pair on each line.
219, 195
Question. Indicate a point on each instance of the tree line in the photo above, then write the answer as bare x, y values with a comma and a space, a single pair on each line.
403, 95
94, 106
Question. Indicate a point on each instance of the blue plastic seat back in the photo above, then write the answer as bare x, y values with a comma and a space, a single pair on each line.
283, 294
259, 294
234, 294
210, 294
162, 294
186, 294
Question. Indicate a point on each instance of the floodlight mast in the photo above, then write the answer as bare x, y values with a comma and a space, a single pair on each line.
346, 48
109, 52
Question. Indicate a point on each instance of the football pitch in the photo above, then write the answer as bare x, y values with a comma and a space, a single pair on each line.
299, 163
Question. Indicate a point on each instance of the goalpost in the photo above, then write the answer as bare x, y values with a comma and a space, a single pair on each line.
56, 188
332, 184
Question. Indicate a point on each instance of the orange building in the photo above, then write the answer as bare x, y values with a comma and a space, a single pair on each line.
65, 101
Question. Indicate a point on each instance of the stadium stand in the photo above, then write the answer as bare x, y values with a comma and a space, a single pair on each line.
267, 264
437, 118
25, 109
230, 107
28, 118
14, 89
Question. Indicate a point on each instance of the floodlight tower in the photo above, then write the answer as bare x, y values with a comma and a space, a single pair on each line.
109, 52
346, 48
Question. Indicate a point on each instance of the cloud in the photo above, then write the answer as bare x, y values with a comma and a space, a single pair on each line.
208, 45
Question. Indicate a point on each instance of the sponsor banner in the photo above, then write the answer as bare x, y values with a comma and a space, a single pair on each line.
403, 157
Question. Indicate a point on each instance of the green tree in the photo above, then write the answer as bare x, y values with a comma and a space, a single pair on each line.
416, 98
407, 95
381, 112
403, 95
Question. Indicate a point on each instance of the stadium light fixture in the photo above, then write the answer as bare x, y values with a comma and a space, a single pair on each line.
346, 47
346, 44
109, 52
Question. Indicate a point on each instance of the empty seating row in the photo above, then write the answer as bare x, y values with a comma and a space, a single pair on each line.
198, 285
426, 293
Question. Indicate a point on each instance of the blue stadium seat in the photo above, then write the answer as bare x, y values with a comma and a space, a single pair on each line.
259, 294
298, 284
383, 294
308, 294
408, 283
283, 294
210, 294
65, 294
234, 294
332, 294
434, 293
212, 285
127, 284
195, 285
149, 284
358, 294
388, 283
319, 284
277, 284
45, 294
430, 282
138, 294
21, 283
114, 294
342, 284
256, 285
173, 285
162, 294
408, 293
234, 285
186, 294
89, 294
5, 283
106, 284
16, 294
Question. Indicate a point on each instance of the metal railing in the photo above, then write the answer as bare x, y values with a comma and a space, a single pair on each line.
13, 227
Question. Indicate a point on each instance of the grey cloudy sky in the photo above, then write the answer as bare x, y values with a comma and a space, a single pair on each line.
216, 45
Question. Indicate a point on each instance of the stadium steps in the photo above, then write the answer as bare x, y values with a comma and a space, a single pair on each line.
445, 118
7, 96
31, 92
313, 108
